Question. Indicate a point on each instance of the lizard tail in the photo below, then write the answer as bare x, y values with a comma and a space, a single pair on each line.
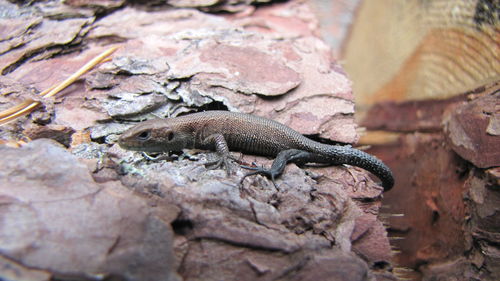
358, 158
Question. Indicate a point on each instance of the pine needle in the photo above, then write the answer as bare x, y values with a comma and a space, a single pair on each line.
27, 106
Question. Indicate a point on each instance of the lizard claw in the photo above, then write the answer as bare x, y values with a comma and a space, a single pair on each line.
252, 168
222, 161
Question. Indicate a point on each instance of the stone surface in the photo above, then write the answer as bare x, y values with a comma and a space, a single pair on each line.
267, 232
12, 92
410, 116
47, 36
55, 217
59, 133
339, 267
96, 4
445, 204
217, 5
243, 69
247, 65
471, 130
11, 270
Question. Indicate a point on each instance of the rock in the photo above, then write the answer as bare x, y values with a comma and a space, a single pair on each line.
410, 116
439, 160
96, 4
221, 63
242, 69
368, 241
56, 218
49, 35
106, 131
11, 270
217, 5
14, 31
12, 92
129, 104
340, 267
484, 199
220, 218
59, 133
471, 131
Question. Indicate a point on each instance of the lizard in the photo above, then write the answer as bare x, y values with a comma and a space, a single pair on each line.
225, 131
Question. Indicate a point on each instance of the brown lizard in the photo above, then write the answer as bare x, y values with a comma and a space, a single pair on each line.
223, 131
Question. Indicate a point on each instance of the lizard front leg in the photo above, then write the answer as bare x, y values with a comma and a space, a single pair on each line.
219, 143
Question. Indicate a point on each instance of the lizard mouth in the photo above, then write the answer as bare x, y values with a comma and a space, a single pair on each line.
138, 146
126, 145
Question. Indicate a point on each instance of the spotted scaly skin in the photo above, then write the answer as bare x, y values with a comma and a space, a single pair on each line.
224, 131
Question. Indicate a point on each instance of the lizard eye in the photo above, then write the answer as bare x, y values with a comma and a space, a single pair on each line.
170, 135
144, 135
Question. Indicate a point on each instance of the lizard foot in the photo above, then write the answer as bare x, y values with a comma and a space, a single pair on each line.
270, 173
219, 163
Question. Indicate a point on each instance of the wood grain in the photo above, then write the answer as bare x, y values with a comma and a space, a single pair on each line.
416, 49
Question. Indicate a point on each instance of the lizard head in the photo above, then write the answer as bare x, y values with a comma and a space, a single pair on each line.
153, 136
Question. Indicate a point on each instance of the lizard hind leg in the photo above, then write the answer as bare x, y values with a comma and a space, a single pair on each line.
279, 163
260, 171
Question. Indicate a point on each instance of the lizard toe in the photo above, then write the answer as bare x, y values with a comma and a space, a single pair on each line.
220, 163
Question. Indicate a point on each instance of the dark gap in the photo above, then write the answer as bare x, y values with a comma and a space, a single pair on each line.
317, 138
182, 226
101, 140
214, 105
435, 217
392, 230
150, 5
462, 167
264, 4
366, 200
381, 265
270, 98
